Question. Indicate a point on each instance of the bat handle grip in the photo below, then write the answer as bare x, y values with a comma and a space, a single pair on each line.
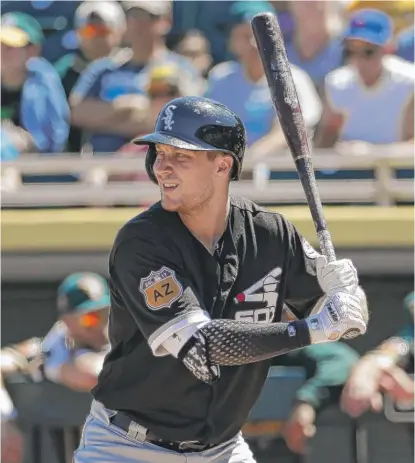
326, 245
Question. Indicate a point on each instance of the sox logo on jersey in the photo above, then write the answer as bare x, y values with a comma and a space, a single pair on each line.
264, 290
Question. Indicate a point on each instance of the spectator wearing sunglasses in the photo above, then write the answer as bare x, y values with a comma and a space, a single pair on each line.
99, 28
107, 100
70, 354
371, 99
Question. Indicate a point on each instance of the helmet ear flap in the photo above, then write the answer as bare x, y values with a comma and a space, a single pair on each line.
150, 160
236, 169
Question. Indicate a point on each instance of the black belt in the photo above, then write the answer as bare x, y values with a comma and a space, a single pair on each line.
124, 422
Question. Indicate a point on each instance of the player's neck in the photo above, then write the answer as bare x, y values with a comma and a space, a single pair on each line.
208, 223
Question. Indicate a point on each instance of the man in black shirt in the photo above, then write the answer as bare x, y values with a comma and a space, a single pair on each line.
198, 284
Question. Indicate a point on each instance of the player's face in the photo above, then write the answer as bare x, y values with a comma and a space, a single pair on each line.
189, 179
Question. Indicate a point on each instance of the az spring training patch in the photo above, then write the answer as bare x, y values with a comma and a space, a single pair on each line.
161, 288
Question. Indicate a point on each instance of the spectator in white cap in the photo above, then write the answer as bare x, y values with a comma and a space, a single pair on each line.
107, 101
99, 28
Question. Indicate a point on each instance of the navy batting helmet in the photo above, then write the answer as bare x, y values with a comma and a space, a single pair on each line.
198, 124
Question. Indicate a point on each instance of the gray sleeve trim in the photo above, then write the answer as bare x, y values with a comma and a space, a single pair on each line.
187, 324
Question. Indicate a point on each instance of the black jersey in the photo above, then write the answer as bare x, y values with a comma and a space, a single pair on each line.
163, 278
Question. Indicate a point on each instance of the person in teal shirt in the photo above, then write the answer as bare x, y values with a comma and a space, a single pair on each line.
327, 368
383, 370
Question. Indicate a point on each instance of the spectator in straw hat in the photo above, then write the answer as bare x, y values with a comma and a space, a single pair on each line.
34, 111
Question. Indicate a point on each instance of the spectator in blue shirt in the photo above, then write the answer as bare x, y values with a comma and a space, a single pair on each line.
315, 45
241, 85
34, 110
108, 101
99, 27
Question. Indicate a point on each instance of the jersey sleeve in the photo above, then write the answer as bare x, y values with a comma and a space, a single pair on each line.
303, 291
149, 280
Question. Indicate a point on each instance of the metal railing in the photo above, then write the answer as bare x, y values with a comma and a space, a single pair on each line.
92, 183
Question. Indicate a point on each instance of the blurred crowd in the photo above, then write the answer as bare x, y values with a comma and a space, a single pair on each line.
72, 353
103, 81
100, 80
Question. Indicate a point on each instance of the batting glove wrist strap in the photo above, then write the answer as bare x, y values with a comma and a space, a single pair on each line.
343, 316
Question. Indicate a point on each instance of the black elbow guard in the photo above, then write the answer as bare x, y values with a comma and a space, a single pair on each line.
195, 356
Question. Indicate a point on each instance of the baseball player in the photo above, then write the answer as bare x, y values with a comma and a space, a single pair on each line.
190, 351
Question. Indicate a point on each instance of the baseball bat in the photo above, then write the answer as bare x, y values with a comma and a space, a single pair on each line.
277, 69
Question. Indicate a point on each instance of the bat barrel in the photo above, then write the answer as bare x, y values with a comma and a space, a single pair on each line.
271, 48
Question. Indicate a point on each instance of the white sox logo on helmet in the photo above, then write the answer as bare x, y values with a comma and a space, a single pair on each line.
168, 117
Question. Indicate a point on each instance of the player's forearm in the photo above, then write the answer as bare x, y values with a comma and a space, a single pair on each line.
231, 343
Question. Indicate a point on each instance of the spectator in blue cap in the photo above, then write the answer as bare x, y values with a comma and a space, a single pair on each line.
34, 110
241, 85
371, 99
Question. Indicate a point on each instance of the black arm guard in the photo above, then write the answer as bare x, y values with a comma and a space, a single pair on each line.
231, 343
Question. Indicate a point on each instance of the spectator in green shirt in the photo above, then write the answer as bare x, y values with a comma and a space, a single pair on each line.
327, 368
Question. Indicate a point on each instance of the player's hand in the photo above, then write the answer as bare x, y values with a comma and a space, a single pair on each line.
12, 443
361, 391
339, 275
342, 316
299, 428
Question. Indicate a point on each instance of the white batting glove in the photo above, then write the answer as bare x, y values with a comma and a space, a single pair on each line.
342, 316
336, 276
